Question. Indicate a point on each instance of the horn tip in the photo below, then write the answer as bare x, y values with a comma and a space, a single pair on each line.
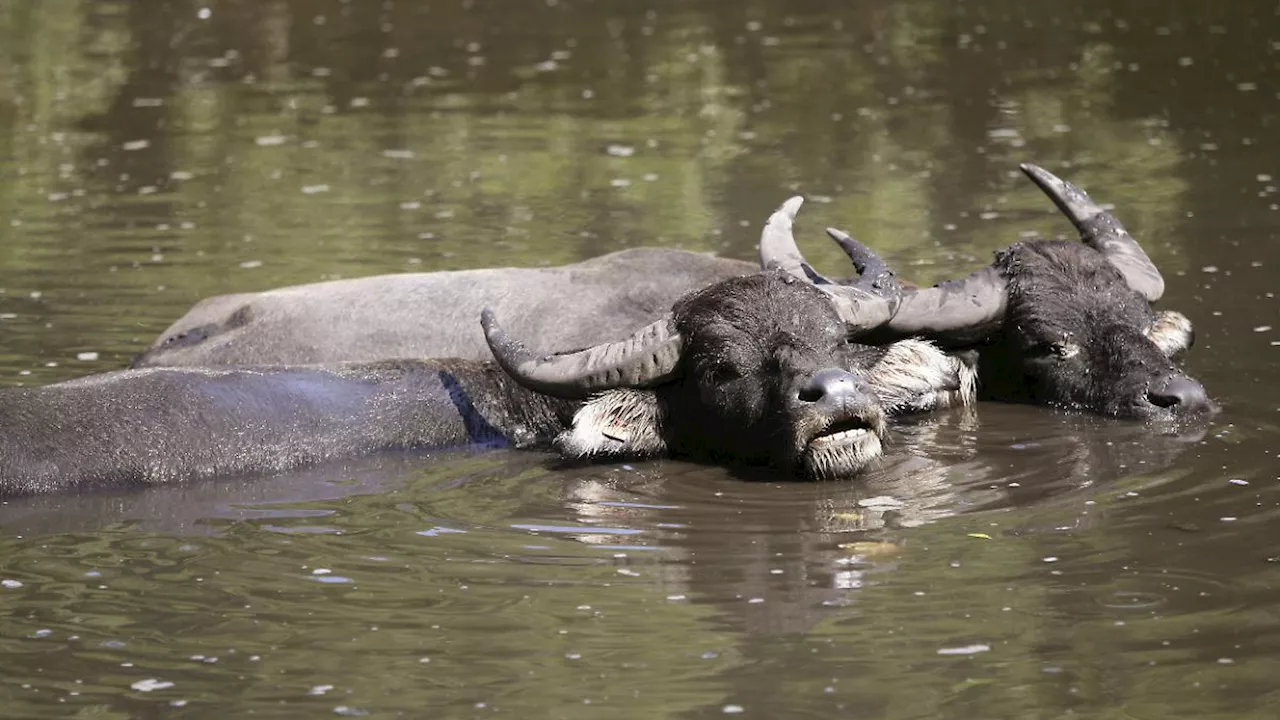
792, 206
1040, 176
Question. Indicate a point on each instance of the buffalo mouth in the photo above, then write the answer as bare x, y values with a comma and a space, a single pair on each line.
842, 446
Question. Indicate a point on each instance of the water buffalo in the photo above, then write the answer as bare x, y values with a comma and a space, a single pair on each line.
1055, 323
434, 314
756, 369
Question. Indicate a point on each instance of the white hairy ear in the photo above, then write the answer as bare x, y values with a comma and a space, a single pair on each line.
1171, 332
615, 424
917, 376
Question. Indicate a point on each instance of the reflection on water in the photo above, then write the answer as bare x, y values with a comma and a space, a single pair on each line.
1017, 564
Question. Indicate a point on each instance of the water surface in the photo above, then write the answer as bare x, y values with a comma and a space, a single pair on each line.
1016, 563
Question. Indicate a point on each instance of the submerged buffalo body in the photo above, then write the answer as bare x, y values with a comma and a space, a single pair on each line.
1055, 323
756, 369
434, 314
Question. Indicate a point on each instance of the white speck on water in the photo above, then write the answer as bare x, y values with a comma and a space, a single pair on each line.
1185, 61
270, 140
11, 584
319, 689
650, 177
573, 656
1050, 559
181, 175
881, 502
251, 264
321, 571
620, 182
398, 154
140, 102
1238, 481
964, 650
359, 102
1228, 518
151, 684
628, 573
204, 13
136, 145
989, 215
1209, 269
732, 709
755, 601
671, 598
348, 711
1247, 86
87, 356
1263, 177
314, 189
334, 579
1262, 328
621, 151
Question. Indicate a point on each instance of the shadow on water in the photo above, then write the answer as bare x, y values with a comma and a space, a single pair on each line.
1022, 563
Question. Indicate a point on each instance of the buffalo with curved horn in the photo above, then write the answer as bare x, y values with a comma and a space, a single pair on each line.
755, 369
1057, 323
758, 368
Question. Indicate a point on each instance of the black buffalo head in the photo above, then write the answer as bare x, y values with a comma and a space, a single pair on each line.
757, 369
1057, 323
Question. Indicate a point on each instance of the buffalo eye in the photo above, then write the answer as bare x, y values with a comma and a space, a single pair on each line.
1053, 351
720, 373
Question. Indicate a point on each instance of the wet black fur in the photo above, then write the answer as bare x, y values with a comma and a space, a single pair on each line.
1063, 296
750, 343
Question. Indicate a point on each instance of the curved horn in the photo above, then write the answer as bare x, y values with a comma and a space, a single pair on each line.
968, 308
778, 249
873, 271
857, 307
965, 309
647, 358
1101, 231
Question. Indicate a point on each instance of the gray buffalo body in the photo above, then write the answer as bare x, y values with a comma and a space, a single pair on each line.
435, 314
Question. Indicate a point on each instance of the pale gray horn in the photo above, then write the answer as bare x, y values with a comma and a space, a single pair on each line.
778, 249
963, 310
1101, 231
857, 307
649, 357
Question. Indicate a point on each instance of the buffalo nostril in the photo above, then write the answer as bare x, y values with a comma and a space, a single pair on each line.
810, 393
1179, 393
829, 383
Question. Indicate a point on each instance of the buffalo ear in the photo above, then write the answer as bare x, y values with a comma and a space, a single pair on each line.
620, 423
1171, 332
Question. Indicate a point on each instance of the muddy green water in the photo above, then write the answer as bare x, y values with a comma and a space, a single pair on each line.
1014, 564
